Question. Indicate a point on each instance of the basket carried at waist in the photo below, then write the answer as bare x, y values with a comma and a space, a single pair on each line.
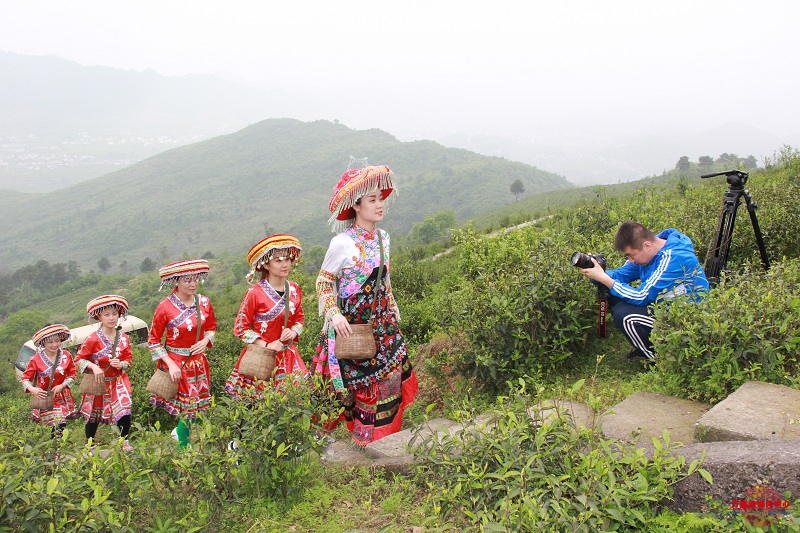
162, 385
90, 386
258, 362
42, 404
360, 345
47, 403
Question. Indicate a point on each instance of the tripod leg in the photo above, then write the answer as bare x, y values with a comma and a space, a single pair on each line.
711, 265
717, 257
751, 208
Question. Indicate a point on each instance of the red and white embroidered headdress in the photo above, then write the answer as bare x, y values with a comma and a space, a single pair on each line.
96, 306
274, 245
51, 330
354, 184
173, 271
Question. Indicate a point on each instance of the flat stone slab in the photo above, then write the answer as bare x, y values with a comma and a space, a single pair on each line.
644, 415
342, 452
755, 411
392, 452
735, 467
580, 414
396, 444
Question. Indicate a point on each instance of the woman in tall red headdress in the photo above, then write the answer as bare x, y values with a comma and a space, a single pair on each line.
261, 316
37, 376
106, 355
374, 391
183, 348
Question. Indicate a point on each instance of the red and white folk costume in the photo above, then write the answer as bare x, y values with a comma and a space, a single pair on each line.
116, 403
38, 371
376, 391
176, 324
262, 312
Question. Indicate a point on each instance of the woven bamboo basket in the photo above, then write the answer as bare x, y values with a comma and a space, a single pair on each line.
161, 385
258, 362
90, 386
44, 405
360, 345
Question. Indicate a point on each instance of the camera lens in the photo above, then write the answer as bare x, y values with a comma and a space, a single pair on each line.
581, 260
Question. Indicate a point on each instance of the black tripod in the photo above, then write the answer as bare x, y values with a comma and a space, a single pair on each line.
717, 257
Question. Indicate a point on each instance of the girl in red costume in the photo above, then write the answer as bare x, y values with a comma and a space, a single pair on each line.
183, 348
36, 378
261, 316
95, 357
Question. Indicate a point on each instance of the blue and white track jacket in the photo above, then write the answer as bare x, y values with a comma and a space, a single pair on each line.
673, 271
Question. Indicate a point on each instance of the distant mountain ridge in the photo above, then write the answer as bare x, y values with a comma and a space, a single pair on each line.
638, 156
225, 193
50, 96
62, 122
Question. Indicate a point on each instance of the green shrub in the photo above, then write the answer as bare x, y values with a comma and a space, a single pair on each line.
425, 295
273, 435
521, 473
747, 328
73, 493
525, 308
158, 486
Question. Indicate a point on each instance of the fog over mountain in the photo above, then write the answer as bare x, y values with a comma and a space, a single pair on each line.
626, 157
63, 123
597, 92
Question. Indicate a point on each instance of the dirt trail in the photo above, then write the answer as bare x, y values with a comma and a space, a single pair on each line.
494, 234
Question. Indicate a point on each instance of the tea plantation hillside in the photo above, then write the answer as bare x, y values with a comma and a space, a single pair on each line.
225, 193
501, 324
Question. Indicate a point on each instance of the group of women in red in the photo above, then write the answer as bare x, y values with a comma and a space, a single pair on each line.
374, 391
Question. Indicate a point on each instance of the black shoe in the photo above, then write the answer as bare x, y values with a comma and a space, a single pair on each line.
637, 355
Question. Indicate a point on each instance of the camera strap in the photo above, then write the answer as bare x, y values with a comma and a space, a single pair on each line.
602, 311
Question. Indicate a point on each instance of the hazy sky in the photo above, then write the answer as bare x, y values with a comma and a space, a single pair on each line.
423, 68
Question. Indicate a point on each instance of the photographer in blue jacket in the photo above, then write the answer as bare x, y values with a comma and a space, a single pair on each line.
667, 267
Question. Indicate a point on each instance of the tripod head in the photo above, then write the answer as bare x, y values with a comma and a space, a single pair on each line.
717, 257
735, 178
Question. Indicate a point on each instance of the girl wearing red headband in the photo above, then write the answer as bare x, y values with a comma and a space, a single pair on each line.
374, 391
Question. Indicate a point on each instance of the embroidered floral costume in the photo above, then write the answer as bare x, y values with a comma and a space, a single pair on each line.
262, 313
374, 391
116, 402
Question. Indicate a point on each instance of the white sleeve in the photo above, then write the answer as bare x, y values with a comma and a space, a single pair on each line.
342, 253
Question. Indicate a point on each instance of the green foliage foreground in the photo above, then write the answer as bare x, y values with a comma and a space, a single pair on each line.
746, 329
527, 466
528, 473
57, 485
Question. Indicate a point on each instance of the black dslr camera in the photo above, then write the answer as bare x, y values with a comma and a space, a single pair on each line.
581, 260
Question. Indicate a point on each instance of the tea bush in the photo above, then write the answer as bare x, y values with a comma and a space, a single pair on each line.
524, 308
747, 328
273, 437
69, 494
113, 490
521, 473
